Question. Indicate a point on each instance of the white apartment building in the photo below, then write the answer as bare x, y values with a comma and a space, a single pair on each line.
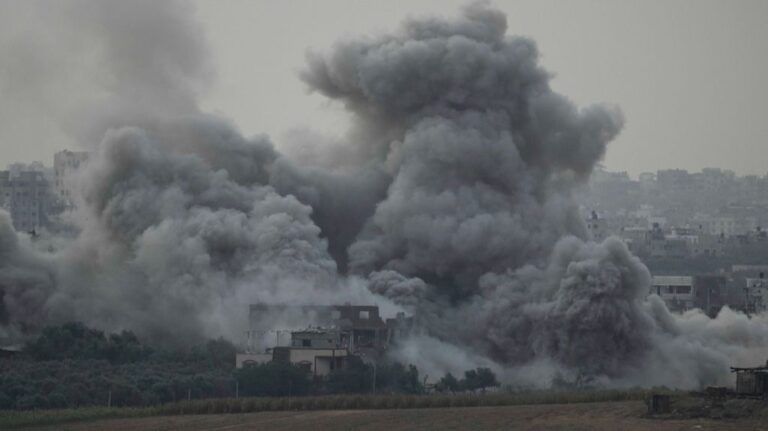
65, 164
676, 290
25, 195
725, 226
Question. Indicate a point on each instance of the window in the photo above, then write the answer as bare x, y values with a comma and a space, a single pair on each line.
306, 343
364, 315
685, 290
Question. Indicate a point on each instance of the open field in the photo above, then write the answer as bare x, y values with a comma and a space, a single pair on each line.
624, 415
21, 418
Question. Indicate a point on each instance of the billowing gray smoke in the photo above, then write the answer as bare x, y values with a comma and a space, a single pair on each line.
454, 203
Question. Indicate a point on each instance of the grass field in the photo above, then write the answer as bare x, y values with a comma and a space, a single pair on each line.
16, 419
546, 410
601, 416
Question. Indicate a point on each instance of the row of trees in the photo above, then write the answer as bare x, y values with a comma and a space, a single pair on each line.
79, 383
75, 341
73, 366
478, 379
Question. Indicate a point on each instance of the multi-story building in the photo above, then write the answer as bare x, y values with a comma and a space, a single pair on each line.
676, 291
596, 227
723, 226
25, 194
361, 326
681, 293
318, 351
756, 294
321, 337
65, 164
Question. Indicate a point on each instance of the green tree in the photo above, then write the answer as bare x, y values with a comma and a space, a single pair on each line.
479, 378
449, 383
273, 379
395, 377
221, 353
356, 378
77, 341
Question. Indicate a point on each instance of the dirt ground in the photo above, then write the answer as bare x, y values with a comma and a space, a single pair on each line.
627, 416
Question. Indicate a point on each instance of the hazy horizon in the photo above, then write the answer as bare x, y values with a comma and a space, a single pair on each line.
685, 73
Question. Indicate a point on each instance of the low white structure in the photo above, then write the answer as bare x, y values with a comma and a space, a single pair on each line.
317, 362
243, 359
316, 350
25, 195
677, 291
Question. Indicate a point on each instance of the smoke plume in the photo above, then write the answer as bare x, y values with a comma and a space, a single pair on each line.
454, 203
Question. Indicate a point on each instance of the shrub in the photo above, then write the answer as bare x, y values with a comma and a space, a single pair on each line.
273, 379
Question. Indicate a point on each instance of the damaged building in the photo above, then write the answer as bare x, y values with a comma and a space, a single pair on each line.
361, 327
752, 382
708, 293
320, 338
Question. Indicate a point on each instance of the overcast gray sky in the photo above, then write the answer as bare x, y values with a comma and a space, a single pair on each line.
688, 74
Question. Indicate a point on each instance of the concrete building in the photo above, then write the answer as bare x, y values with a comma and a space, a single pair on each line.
673, 179
65, 164
683, 292
322, 338
25, 194
711, 245
718, 226
676, 291
752, 382
318, 351
756, 294
360, 325
245, 359
399, 328
596, 227
751, 270
710, 293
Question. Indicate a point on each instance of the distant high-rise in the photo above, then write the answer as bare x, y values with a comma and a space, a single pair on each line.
25, 195
65, 164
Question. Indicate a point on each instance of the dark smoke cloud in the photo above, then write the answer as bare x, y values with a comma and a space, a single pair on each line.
26, 281
450, 198
484, 139
483, 164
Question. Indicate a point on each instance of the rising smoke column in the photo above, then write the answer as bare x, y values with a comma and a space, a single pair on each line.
26, 281
484, 157
177, 228
485, 150
181, 222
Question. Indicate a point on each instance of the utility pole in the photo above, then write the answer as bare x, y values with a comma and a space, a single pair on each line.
109, 399
237, 389
374, 377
